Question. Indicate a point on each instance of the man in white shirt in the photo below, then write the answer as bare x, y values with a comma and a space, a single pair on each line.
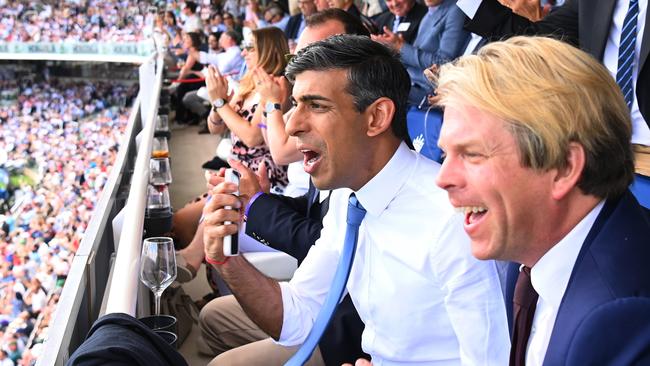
538, 156
596, 27
421, 295
192, 22
228, 62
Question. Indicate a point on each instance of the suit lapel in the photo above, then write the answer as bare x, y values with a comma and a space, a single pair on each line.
593, 30
584, 291
645, 44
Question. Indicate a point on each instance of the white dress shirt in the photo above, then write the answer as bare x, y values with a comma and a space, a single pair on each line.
227, 62
192, 24
422, 296
550, 277
640, 129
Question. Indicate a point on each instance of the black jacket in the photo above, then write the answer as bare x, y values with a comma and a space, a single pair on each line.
120, 339
418, 11
585, 23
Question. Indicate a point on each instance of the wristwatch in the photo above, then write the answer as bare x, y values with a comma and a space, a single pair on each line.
270, 107
218, 103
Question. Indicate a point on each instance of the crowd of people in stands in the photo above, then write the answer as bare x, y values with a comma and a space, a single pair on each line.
64, 135
81, 21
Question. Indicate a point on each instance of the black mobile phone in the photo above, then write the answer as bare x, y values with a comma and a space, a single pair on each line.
230, 242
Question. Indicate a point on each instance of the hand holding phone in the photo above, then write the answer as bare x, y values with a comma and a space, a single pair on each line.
230, 242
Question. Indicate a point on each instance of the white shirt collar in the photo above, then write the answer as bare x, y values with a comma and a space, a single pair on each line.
375, 195
550, 275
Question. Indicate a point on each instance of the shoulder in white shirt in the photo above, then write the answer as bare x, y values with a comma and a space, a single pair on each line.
422, 296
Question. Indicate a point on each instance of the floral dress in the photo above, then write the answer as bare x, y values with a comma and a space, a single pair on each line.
252, 157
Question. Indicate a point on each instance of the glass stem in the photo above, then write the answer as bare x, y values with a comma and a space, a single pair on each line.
157, 295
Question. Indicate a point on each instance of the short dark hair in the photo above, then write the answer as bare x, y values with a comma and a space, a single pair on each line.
234, 35
191, 5
351, 24
373, 71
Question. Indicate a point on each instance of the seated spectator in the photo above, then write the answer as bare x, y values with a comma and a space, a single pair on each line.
402, 17
339, 131
192, 21
440, 38
291, 225
228, 62
273, 16
297, 23
191, 70
241, 114
533, 122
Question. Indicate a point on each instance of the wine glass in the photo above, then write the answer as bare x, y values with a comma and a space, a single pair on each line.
158, 266
159, 171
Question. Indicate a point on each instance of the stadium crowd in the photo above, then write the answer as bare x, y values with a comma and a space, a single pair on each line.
66, 135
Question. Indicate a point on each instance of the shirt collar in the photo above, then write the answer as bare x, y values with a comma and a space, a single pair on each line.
432, 9
552, 272
375, 195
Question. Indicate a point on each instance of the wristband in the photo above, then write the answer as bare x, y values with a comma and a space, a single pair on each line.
215, 263
261, 125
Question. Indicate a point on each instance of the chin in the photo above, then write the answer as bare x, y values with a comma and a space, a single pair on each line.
479, 251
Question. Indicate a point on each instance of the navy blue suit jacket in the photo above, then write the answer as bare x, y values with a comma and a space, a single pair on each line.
613, 264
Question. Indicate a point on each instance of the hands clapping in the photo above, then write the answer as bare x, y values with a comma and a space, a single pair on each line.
216, 84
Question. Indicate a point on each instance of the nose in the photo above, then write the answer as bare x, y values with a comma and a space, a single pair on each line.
295, 125
451, 175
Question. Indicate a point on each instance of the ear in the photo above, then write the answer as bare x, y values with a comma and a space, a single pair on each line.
566, 179
380, 116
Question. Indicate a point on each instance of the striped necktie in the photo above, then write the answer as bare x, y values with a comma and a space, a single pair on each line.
626, 52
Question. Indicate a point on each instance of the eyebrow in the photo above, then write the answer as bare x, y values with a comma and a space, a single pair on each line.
310, 97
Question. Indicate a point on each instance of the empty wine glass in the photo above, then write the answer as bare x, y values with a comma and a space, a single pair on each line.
160, 171
157, 266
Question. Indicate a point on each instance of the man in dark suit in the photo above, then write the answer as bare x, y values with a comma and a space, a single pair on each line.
403, 17
594, 26
543, 177
297, 22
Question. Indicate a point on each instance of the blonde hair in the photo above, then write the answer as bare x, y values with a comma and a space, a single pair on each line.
271, 46
549, 94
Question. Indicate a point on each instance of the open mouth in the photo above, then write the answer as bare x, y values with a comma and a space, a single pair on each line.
311, 159
473, 214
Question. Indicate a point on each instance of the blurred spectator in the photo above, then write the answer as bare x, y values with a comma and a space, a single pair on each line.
297, 23
4, 359
192, 22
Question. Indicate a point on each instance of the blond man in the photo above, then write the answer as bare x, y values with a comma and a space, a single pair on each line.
538, 155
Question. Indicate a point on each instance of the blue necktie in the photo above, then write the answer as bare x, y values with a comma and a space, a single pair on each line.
356, 212
396, 22
626, 53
